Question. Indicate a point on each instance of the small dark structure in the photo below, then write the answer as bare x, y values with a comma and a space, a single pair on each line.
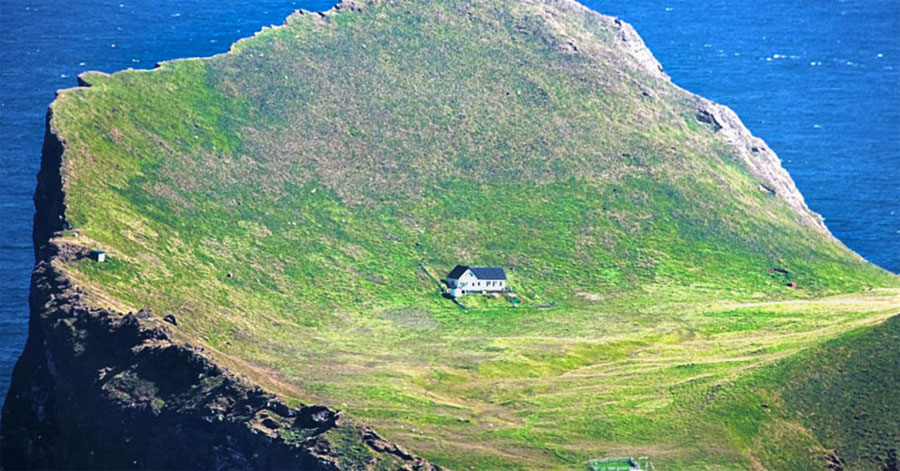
98, 256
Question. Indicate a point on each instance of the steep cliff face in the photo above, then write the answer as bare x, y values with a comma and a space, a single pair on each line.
99, 389
49, 196
760, 160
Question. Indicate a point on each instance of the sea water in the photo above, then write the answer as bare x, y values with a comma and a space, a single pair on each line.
819, 81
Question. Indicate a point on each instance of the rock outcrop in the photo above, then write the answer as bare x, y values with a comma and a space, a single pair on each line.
759, 159
753, 151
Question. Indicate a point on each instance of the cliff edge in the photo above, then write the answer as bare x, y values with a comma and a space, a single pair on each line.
100, 389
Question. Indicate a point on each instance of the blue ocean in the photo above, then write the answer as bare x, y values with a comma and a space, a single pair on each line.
819, 81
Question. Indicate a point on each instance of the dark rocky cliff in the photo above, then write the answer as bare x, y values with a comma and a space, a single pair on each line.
99, 389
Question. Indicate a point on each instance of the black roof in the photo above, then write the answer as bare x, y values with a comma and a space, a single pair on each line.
482, 273
457, 271
489, 273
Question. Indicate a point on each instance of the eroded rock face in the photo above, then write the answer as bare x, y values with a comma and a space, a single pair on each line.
96, 389
760, 160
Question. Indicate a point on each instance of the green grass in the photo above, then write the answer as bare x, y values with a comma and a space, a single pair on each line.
282, 200
837, 400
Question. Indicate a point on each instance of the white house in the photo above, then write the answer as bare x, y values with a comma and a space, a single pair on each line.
468, 280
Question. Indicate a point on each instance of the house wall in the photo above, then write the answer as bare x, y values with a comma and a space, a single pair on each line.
466, 278
468, 282
492, 285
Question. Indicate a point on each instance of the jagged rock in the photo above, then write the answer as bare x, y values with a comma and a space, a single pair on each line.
833, 462
708, 118
269, 423
315, 417
762, 162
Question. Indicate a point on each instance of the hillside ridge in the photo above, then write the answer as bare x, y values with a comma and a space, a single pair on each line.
759, 157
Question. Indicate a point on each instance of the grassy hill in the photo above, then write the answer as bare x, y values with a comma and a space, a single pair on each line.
294, 202
832, 407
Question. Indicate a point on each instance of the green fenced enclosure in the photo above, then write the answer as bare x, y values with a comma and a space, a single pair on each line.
620, 464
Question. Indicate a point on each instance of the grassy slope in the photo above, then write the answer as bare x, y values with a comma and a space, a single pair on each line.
323, 163
838, 400
847, 394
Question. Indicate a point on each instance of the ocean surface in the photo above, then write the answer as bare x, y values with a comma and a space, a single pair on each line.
819, 81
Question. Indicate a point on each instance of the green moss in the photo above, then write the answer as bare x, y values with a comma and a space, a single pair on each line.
354, 454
